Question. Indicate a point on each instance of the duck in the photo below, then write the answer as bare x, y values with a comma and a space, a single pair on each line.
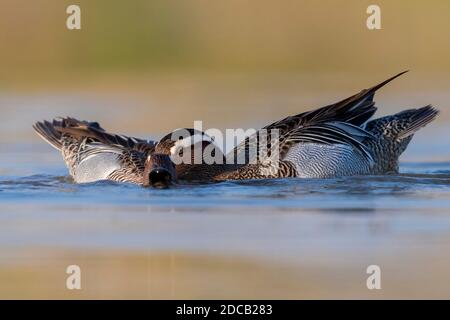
337, 140
92, 154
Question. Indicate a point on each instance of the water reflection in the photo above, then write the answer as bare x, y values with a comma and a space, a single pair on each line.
257, 239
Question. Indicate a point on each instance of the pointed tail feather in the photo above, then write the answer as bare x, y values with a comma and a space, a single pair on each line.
385, 82
361, 107
356, 109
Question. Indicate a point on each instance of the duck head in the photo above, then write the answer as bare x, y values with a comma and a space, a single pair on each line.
159, 171
188, 149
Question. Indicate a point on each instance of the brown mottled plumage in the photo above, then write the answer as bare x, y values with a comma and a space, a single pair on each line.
92, 154
332, 141
335, 140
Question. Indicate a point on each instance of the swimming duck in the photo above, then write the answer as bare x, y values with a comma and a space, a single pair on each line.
334, 141
92, 154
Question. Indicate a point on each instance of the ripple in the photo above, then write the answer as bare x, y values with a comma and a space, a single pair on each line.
346, 193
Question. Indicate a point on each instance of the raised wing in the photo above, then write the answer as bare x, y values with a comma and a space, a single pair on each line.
337, 123
92, 154
355, 110
93, 131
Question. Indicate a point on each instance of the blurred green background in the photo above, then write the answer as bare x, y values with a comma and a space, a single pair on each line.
150, 66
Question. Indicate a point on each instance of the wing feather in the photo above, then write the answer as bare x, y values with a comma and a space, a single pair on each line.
92, 130
97, 161
338, 123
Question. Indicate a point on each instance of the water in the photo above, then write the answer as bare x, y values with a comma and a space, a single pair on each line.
286, 238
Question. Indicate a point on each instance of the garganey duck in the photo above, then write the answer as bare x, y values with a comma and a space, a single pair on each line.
92, 154
334, 141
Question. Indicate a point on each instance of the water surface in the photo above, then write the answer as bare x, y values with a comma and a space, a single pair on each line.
287, 238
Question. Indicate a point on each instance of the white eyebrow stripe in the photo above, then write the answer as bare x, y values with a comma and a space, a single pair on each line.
189, 141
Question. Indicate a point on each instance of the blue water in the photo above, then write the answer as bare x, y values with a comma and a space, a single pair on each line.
408, 190
42, 207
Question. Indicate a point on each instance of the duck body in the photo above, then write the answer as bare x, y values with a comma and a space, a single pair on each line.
91, 154
336, 140
313, 160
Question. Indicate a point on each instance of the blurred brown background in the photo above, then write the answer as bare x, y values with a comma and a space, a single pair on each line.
146, 67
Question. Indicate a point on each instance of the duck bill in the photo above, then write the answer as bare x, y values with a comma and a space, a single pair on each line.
160, 178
